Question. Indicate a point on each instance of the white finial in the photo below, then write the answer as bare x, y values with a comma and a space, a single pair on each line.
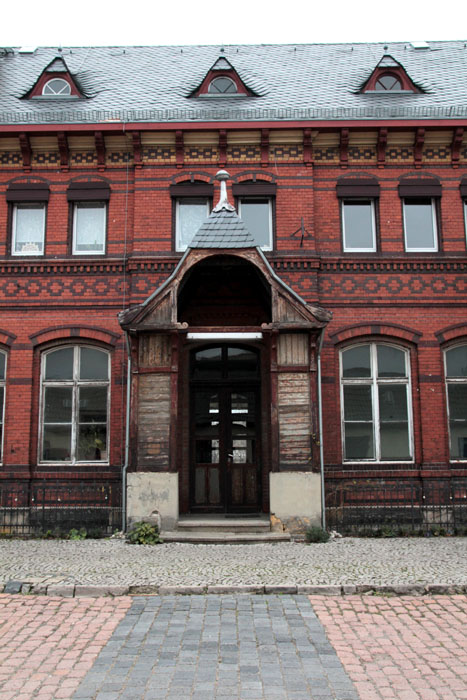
223, 202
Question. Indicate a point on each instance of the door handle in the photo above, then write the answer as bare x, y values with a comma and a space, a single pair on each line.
230, 456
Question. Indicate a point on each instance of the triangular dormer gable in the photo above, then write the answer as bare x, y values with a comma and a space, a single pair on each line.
222, 80
55, 82
389, 76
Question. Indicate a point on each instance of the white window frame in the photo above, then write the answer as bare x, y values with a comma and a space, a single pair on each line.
465, 219
75, 384
350, 200
2, 408
269, 199
89, 204
55, 95
222, 94
27, 205
435, 248
180, 247
374, 382
448, 381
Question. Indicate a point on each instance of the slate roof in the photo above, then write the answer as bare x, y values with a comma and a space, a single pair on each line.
223, 229
291, 82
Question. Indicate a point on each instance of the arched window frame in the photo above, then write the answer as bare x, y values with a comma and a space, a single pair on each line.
54, 94
457, 452
226, 93
75, 384
374, 382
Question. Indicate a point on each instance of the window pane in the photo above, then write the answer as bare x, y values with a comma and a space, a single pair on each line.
357, 403
458, 435
392, 402
222, 85
356, 362
395, 441
93, 404
358, 225
2, 365
57, 86
457, 394
2, 396
89, 229
242, 363
456, 362
59, 364
58, 404
57, 443
419, 226
359, 441
92, 442
208, 364
94, 364
28, 235
391, 362
191, 214
256, 216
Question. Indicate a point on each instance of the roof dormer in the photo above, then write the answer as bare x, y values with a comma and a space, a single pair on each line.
222, 80
55, 82
389, 76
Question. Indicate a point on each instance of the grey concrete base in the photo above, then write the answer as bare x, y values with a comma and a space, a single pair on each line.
153, 492
295, 501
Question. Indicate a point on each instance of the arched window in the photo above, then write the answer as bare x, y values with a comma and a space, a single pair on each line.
222, 86
57, 87
456, 387
75, 400
2, 398
388, 82
376, 406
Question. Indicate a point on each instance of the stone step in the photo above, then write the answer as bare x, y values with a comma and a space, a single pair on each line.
201, 536
221, 524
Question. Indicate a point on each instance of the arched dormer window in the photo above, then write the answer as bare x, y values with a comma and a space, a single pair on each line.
388, 82
57, 87
223, 85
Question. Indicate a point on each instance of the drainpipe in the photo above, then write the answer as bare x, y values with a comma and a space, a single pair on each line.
320, 418
127, 432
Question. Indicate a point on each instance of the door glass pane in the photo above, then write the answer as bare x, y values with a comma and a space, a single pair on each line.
200, 486
208, 364
356, 362
214, 487
359, 441
58, 404
56, 445
59, 364
207, 451
391, 362
94, 364
456, 362
357, 403
242, 363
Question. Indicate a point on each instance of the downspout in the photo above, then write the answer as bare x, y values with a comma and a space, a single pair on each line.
320, 418
127, 433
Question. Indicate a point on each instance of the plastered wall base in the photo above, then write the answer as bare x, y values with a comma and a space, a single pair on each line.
153, 491
295, 501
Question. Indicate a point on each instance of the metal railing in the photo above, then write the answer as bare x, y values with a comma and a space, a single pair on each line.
377, 507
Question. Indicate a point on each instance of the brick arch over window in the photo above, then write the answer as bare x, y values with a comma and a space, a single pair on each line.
254, 175
456, 332
85, 334
192, 177
7, 338
389, 330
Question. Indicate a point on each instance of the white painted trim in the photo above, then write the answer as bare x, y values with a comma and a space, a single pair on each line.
224, 336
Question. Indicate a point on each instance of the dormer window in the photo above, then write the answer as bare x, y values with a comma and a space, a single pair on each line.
222, 86
387, 82
57, 87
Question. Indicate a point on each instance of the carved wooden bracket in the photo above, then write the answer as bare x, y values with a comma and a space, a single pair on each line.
344, 148
179, 149
264, 148
137, 153
307, 147
382, 143
222, 147
456, 146
26, 152
418, 147
100, 149
64, 151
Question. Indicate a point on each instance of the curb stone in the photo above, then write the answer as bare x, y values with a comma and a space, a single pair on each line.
77, 590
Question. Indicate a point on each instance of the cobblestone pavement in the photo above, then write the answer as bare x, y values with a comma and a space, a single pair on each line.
347, 561
404, 648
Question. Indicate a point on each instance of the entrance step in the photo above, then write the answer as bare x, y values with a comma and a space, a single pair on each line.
220, 530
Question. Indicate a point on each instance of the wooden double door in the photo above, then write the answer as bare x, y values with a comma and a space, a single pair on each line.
225, 430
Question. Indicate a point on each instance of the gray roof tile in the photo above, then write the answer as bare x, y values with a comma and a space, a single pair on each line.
296, 82
223, 229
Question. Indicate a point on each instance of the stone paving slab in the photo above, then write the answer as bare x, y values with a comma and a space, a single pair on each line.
218, 647
342, 566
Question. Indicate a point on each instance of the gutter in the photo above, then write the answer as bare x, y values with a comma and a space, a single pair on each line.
127, 433
320, 418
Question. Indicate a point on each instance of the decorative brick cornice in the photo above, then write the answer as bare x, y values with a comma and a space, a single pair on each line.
394, 265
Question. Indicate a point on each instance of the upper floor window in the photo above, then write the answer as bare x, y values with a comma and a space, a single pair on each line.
28, 229
222, 86
456, 387
358, 225
89, 225
420, 226
192, 203
57, 87
376, 406
74, 408
2, 398
387, 82
255, 205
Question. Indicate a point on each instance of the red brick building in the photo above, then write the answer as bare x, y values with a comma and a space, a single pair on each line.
193, 361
